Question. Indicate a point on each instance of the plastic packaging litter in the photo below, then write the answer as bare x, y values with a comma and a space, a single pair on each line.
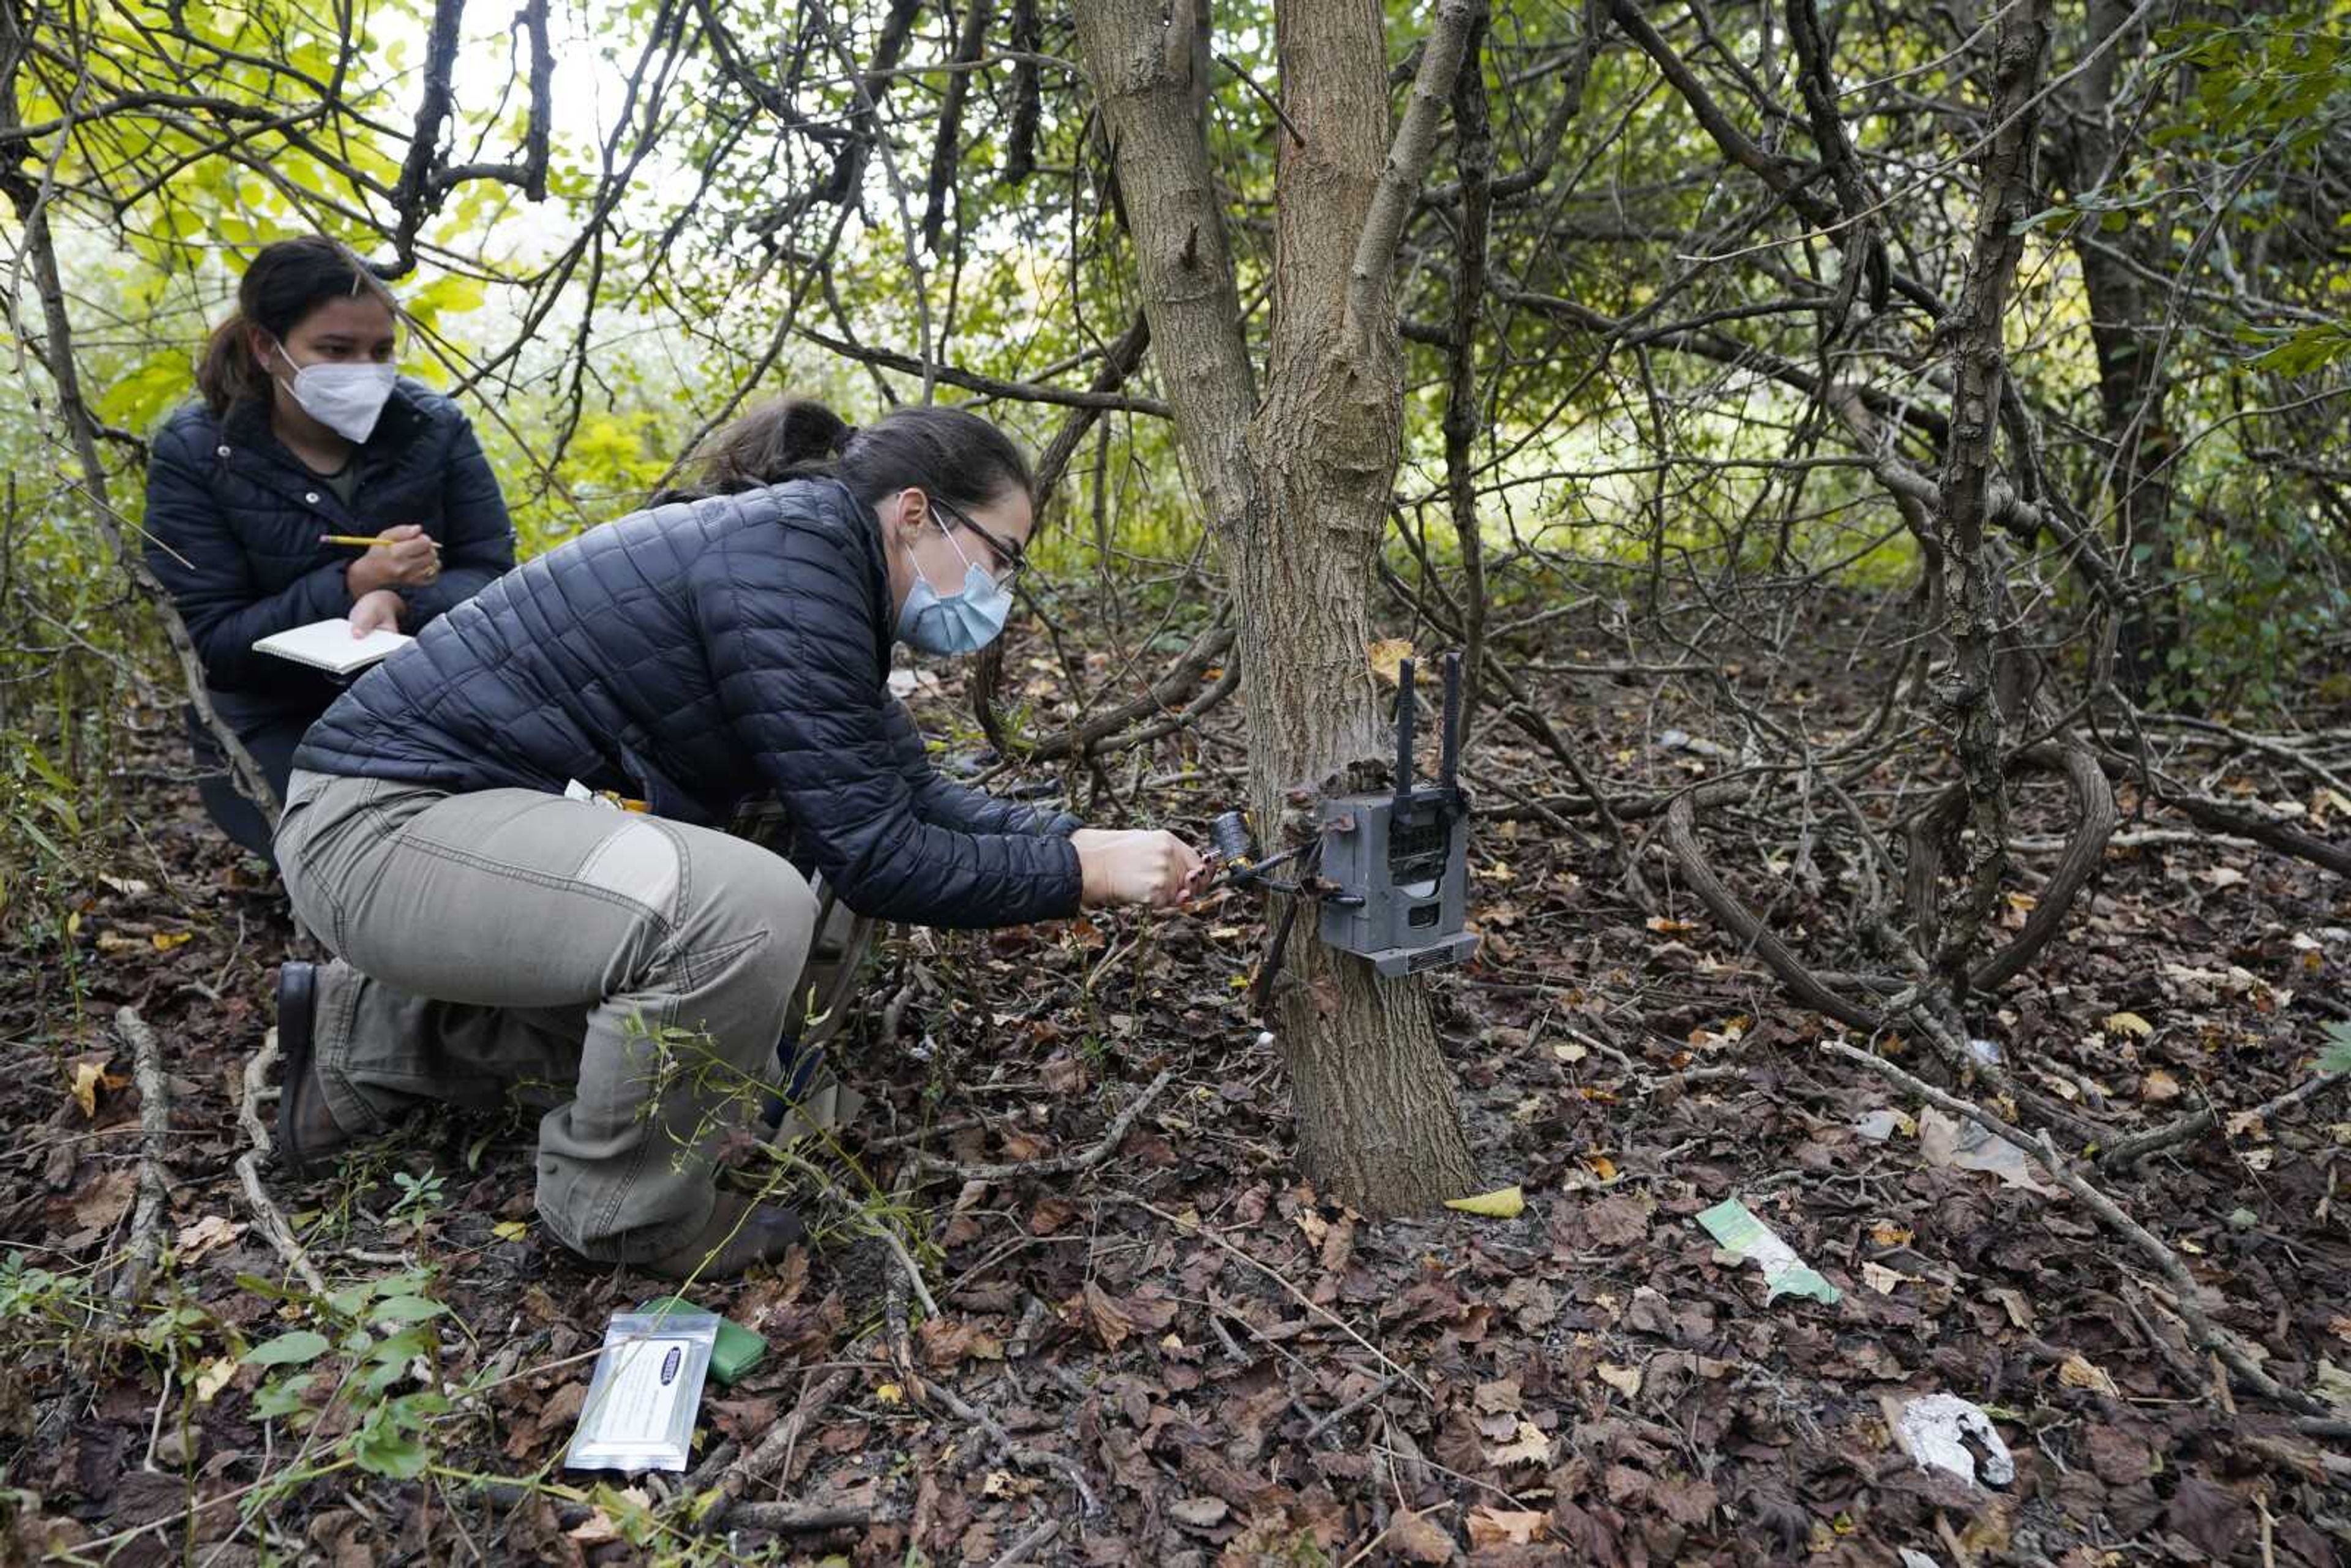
644, 1393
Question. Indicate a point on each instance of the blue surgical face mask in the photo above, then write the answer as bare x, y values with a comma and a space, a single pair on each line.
946, 623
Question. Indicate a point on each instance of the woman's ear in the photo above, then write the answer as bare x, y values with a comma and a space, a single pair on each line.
913, 513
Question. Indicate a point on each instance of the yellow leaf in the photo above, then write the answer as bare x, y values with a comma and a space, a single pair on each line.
510, 1230
213, 1378
1492, 1526
1387, 656
87, 1077
2128, 1023
1502, 1203
889, 1394
166, 940
2074, 1372
1599, 1165
1664, 927
1886, 1233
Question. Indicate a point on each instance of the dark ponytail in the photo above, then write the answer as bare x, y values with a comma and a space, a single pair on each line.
945, 452
286, 282
787, 438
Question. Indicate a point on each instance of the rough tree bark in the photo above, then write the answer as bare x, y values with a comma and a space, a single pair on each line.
2133, 388
1297, 487
1967, 697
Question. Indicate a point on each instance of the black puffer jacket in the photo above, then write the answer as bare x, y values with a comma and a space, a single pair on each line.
693, 655
234, 519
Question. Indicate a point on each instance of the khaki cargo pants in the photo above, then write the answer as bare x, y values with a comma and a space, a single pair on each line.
629, 974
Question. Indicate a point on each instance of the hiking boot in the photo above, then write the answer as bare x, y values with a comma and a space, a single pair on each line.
739, 1235
307, 1130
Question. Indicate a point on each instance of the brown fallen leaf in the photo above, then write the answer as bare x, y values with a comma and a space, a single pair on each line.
1199, 1513
2074, 1372
1528, 1446
100, 1204
1492, 1526
209, 1234
2158, 1086
1416, 1538
1625, 1380
1110, 1322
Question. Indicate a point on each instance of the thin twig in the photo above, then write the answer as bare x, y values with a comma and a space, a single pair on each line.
1060, 1164
773, 1454
2209, 1335
265, 1212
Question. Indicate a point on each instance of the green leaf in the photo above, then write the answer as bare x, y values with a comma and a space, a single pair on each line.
276, 1401
407, 1309
289, 1349
382, 1448
2336, 1057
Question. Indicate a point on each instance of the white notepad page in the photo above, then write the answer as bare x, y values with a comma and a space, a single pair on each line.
329, 646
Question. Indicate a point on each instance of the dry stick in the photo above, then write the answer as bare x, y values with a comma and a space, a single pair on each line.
1060, 1165
1019, 1550
248, 1170
774, 1452
920, 1390
154, 1135
1301, 1297
2129, 1151
785, 1518
2209, 1335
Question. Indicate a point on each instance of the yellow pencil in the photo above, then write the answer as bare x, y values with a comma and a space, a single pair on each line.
363, 541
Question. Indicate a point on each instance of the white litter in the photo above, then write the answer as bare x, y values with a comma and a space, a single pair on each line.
1935, 1428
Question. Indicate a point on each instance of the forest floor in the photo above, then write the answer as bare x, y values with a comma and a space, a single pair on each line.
1185, 1355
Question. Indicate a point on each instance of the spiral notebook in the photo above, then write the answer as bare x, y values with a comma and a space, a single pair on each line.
329, 645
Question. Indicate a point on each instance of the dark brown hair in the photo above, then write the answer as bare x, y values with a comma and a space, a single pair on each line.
285, 283
945, 452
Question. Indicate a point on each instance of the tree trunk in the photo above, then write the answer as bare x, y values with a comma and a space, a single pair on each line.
1298, 490
2132, 385
1972, 571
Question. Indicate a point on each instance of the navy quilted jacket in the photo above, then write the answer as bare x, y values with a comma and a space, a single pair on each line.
234, 519
693, 655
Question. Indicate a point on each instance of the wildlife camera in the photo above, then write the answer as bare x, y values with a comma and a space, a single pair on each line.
1397, 864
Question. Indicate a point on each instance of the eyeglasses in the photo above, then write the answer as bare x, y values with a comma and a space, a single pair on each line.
1010, 557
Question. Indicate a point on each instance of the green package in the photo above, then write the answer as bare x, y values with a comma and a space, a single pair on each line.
738, 1349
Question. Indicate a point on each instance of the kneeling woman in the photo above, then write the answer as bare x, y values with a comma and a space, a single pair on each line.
306, 431
494, 936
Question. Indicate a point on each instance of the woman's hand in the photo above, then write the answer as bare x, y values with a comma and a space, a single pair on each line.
1127, 866
379, 610
412, 560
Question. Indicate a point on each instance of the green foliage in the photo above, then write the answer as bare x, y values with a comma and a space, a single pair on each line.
369, 1339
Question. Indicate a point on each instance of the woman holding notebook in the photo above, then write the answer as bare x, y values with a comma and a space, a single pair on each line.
311, 484
499, 930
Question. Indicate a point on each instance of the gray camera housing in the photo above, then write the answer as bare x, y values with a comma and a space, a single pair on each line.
1400, 861
1407, 859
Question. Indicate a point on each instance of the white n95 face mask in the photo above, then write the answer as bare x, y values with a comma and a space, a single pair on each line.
348, 398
